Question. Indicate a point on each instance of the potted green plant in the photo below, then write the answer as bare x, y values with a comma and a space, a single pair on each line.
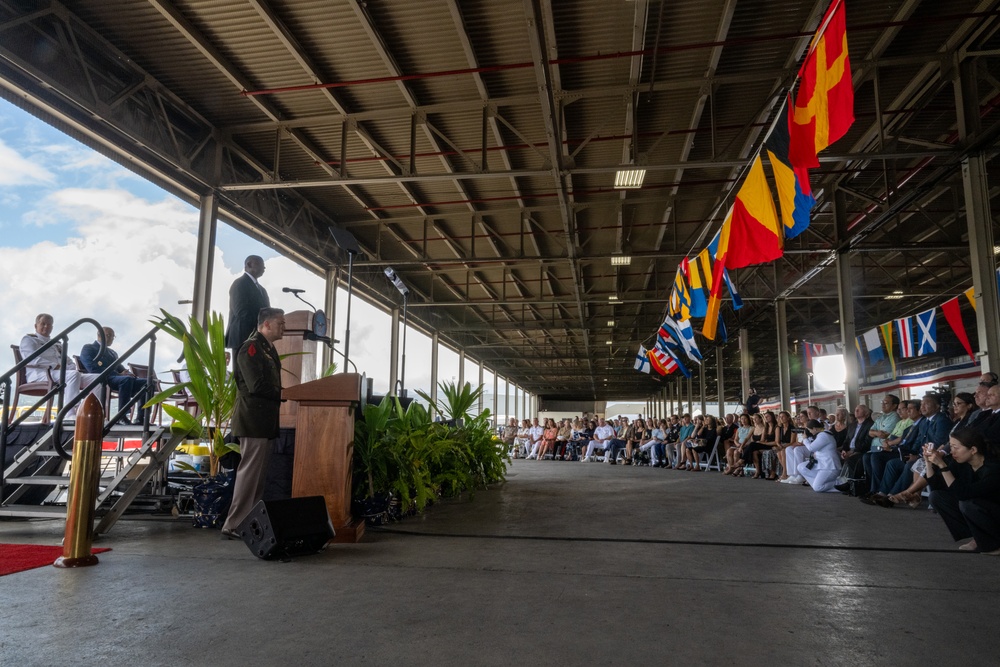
213, 388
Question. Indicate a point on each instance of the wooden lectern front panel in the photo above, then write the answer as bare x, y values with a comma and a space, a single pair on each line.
324, 448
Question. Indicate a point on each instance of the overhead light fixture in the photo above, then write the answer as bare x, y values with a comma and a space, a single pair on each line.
400, 285
621, 260
611, 323
996, 250
629, 178
896, 294
613, 297
607, 342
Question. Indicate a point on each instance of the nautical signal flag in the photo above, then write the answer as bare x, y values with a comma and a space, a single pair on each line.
824, 103
641, 360
886, 330
953, 314
794, 194
904, 329
680, 297
753, 236
926, 333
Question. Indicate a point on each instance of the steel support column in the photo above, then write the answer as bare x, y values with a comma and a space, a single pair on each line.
482, 390
703, 378
722, 382
204, 260
434, 367
980, 220
744, 363
784, 372
690, 396
394, 353
461, 368
330, 309
845, 300
496, 400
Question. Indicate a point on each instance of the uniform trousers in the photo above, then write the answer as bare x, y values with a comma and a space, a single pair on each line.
978, 518
74, 380
595, 445
794, 455
251, 476
820, 479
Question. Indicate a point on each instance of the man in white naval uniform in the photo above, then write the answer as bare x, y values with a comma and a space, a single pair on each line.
822, 475
603, 435
50, 360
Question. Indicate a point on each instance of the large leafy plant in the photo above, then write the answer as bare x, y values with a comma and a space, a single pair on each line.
210, 383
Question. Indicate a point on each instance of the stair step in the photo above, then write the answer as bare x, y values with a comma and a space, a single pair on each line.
107, 454
49, 480
34, 511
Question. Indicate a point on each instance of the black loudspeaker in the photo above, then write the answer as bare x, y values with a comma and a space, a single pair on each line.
279, 529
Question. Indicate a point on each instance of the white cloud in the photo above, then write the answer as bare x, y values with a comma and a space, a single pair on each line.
19, 170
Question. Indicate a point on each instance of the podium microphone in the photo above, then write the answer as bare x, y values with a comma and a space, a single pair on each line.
292, 290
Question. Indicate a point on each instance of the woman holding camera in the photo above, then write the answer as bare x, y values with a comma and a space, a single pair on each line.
965, 490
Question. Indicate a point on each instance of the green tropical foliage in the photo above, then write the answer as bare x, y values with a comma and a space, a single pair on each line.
407, 454
211, 384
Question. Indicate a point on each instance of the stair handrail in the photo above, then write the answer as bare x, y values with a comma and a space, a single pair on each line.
150, 337
57, 387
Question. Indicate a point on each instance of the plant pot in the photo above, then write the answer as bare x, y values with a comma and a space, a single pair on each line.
379, 509
212, 499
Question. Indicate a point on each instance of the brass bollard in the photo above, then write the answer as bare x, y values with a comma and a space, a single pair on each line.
83, 478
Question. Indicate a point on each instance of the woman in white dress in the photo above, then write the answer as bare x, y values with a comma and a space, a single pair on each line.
822, 471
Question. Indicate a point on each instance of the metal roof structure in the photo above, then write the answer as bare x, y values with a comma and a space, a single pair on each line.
472, 146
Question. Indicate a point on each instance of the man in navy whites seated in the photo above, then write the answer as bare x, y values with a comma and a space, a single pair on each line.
121, 380
603, 435
246, 298
50, 361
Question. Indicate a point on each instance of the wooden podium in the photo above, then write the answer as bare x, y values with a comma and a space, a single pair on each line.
324, 446
300, 366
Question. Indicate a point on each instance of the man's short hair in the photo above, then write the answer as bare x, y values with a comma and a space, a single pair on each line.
40, 316
266, 314
251, 259
893, 399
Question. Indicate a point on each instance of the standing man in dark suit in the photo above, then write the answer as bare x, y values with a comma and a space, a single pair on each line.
121, 380
257, 371
246, 298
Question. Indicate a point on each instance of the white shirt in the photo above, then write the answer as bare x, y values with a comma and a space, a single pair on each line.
536, 432
604, 433
824, 449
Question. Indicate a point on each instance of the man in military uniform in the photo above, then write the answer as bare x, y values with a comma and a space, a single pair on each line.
257, 371
121, 381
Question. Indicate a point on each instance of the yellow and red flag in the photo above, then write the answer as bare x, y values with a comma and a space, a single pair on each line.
824, 104
755, 235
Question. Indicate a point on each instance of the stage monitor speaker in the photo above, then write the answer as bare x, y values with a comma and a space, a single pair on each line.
279, 529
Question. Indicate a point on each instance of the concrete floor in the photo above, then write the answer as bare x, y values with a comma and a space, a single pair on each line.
565, 564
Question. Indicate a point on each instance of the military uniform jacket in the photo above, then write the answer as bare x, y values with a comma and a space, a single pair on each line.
94, 363
258, 389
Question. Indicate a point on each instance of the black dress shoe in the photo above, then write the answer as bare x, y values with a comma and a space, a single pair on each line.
844, 488
228, 534
868, 499
883, 501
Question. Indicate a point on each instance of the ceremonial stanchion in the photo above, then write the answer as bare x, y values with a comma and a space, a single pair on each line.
83, 477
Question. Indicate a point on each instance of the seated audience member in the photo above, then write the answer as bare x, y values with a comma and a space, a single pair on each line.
686, 431
840, 427
673, 438
704, 442
769, 457
509, 435
638, 435
823, 466
603, 435
965, 490
690, 441
125, 383
989, 426
523, 439
549, 433
964, 411
622, 435
562, 439
654, 445
580, 438
536, 433
875, 460
751, 452
734, 455
796, 452
857, 443
984, 413
51, 361
783, 440
932, 428
727, 434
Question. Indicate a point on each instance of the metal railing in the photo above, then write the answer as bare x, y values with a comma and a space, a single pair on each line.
56, 391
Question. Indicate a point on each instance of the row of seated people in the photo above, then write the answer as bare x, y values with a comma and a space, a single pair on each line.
675, 443
92, 363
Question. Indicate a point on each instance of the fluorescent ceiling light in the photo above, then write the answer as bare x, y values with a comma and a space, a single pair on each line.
629, 178
607, 342
896, 294
613, 297
611, 323
621, 260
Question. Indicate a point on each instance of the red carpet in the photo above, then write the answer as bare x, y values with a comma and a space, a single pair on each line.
21, 557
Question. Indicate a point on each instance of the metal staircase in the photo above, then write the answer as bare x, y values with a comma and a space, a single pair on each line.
35, 483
